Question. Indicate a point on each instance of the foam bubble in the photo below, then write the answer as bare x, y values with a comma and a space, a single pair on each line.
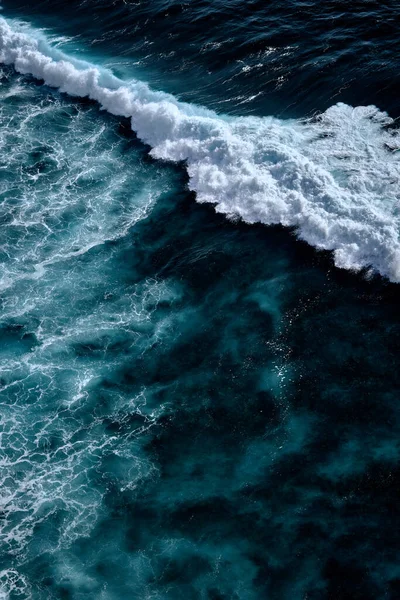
334, 178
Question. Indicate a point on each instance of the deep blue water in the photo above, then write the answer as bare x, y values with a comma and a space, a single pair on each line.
194, 404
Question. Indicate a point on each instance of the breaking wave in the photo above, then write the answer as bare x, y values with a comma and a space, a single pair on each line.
334, 177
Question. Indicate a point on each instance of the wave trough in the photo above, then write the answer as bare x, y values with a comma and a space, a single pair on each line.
335, 177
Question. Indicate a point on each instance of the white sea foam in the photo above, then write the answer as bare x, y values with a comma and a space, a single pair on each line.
334, 178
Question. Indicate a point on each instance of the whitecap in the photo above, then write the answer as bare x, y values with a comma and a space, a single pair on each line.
334, 178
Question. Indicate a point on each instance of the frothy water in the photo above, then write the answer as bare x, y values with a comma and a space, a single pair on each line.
88, 338
67, 199
192, 407
334, 178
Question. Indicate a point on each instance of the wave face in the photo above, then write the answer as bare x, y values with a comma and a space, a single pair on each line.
334, 178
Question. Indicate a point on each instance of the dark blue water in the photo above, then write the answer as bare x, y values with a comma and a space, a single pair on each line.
284, 58
195, 404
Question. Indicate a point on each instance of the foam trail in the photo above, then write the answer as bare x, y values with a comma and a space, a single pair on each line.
336, 178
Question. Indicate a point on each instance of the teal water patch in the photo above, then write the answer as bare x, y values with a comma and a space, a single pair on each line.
73, 186
91, 313
191, 408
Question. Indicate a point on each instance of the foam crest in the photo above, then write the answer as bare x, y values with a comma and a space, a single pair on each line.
334, 178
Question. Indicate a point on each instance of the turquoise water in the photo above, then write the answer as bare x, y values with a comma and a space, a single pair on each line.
192, 407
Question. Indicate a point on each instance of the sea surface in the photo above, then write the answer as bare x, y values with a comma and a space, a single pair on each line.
199, 300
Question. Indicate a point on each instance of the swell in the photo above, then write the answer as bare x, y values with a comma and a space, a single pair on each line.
334, 178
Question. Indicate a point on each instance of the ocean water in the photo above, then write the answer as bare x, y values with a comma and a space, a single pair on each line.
199, 300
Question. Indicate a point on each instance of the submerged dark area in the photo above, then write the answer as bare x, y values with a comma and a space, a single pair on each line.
192, 407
